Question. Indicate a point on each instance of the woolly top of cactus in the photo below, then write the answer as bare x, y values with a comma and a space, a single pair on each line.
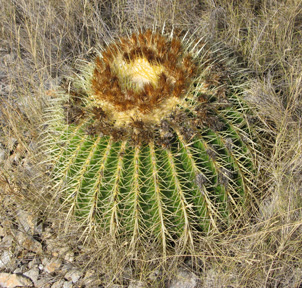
142, 87
141, 78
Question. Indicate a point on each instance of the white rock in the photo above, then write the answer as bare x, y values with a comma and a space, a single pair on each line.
42, 283
69, 256
58, 284
2, 155
90, 277
185, 279
67, 284
5, 258
7, 241
52, 265
33, 274
29, 242
73, 275
34, 263
27, 221
66, 268
137, 284
18, 271
38, 229
14, 280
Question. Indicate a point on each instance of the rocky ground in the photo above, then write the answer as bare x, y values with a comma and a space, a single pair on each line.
32, 255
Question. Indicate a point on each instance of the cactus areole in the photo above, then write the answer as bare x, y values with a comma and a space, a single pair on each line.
150, 143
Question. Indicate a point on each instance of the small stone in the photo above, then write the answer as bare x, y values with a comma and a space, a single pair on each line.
7, 241
90, 277
27, 221
58, 284
73, 275
185, 279
33, 274
5, 259
38, 229
52, 265
29, 243
66, 268
34, 263
67, 254
127, 273
18, 271
67, 284
42, 283
137, 284
14, 280
2, 155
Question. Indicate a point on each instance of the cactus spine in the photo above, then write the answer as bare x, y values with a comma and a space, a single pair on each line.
151, 142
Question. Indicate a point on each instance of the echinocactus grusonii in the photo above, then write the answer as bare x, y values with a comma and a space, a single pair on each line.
150, 142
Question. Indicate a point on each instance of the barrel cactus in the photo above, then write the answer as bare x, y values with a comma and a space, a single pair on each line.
150, 141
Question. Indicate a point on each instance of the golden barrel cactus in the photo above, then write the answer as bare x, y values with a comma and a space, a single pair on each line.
150, 141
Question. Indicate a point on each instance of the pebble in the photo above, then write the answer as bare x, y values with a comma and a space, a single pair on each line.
73, 275
67, 285
33, 274
52, 265
34, 263
137, 284
29, 243
14, 280
5, 258
43, 283
27, 221
185, 279
7, 241
69, 256
90, 277
58, 284
2, 155
18, 271
66, 268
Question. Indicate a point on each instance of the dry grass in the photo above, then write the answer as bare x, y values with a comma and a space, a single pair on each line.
42, 39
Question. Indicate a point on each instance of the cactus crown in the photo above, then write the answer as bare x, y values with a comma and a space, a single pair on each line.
154, 144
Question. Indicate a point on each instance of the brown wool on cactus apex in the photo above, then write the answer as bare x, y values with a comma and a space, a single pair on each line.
139, 81
139, 76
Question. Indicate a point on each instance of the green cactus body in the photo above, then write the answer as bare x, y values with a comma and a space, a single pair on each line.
152, 167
